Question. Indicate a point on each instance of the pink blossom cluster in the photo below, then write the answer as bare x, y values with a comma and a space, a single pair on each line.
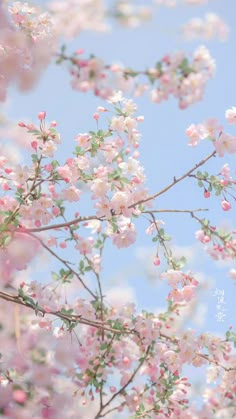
212, 130
221, 185
188, 285
173, 75
221, 244
134, 359
32, 195
207, 28
26, 46
39, 378
67, 348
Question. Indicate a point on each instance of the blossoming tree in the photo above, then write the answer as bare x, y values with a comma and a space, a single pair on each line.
67, 349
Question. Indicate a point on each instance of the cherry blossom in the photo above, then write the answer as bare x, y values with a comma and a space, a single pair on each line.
175, 75
70, 344
26, 45
212, 26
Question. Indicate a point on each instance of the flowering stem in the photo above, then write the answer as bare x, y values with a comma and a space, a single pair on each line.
175, 210
71, 318
175, 181
122, 389
64, 263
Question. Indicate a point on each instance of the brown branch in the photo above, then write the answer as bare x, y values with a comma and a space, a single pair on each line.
64, 263
205, 356
213, 361
121, 390
71, 318
175, 211
65, 224
175, 181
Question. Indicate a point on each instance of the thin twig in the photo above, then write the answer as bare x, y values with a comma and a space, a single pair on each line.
175, 181
121, 390
175, 210
65, 224
71, 318
64, 263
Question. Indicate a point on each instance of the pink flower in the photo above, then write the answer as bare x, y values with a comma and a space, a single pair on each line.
225, 144
72, 194
225, 205
194, 136
41, 115
156, 261
225, 171
230, 115
19, 396
207, 194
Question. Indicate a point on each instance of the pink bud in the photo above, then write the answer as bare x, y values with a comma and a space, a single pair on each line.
207, 194
41, 115
225, 205
30, 127
56, 211
8, 170
48, 167
19, 396
166, 59
53, 124
79, 51
34, 145
5, 187
62, 245
156, 261
96, 116
21, 124
126, 360
206, 239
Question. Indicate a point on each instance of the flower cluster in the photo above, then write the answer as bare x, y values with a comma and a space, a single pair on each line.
49, 382
173, 75
212, 26
212, 130
71, 347
26, 46
222, 243
104, 163
221, 185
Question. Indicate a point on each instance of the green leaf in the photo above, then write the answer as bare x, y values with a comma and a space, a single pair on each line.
21, 292
34, 158
103, 346
81, 265
55, 276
